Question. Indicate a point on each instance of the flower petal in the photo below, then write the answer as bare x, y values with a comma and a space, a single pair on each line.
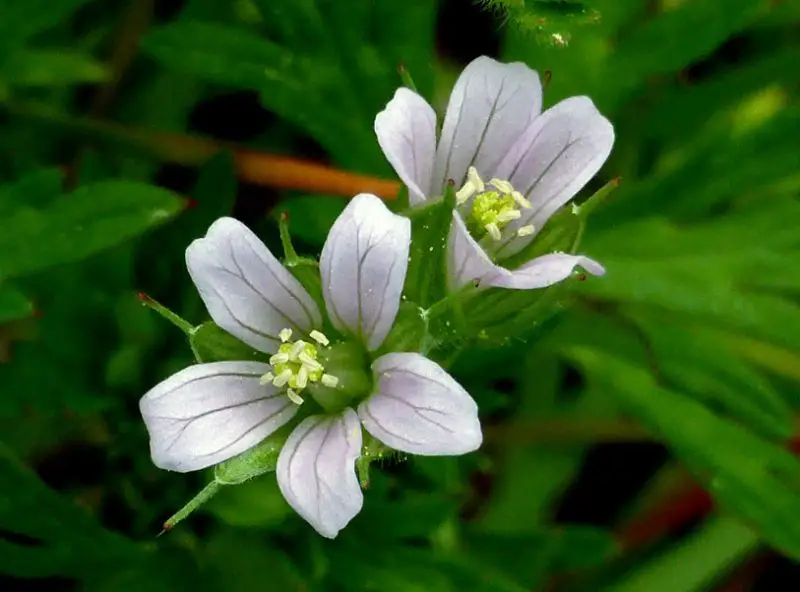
406, 131
466, 260
246, 289
208, 413
363, 267
418, 408
558, 154
490, 106
544, 271
316, 471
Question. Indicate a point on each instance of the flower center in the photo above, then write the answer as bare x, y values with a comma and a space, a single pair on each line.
494, 205
295, 365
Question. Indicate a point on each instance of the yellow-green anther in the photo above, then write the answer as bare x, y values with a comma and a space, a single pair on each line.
295, 365
319, 337
329, 380
297, 347
279, 358
301, 379
493, 208
508, 216
294, 397
502, 186
521, 200
473, 185
494, 231
282, 378
526, 230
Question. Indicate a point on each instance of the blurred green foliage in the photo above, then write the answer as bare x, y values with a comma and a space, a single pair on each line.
693, 334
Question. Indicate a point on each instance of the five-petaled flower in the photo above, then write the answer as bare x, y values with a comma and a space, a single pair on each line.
208, 413
514, 167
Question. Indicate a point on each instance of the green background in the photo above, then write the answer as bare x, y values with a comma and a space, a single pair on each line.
639, 440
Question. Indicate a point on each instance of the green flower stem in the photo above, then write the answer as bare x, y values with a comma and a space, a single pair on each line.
173, 318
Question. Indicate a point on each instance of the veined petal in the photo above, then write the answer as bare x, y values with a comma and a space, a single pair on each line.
406, 131
558, 154
490, 106
363, 267
316, 471
208, 413
419, 408
246, 289
466, 260
545, 271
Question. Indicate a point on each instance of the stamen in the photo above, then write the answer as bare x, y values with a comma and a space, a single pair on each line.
502, 186
279, 358
266, 378
329, 380
307, 360
520, 199
526, 230
493, 230
298, 347
294, 397
508, 216
319, 337
285, 335
473, 185
301, 380
282, 378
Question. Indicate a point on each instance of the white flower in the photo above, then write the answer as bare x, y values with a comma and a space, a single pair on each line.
513, 166
209, 413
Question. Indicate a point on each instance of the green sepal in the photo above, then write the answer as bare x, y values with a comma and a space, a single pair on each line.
430, 229
498, 315
372, 449
210, 343
564, 230
260, 459
206, 494
409, 332
400, 203
304, 269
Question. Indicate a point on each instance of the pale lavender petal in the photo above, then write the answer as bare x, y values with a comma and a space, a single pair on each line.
466, 260
490, 106
544, 271
419, 408
558, 154
316, 471
406, 131
246, 289
363, 267
208, 413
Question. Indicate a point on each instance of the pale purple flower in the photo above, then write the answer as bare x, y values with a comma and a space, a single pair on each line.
513, 165
208, 413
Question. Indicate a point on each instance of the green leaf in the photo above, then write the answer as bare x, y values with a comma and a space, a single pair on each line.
22, 20
678, 36
13, 305
86, 221
43, 67
695, 564
30, 546
309, 92
756, 479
